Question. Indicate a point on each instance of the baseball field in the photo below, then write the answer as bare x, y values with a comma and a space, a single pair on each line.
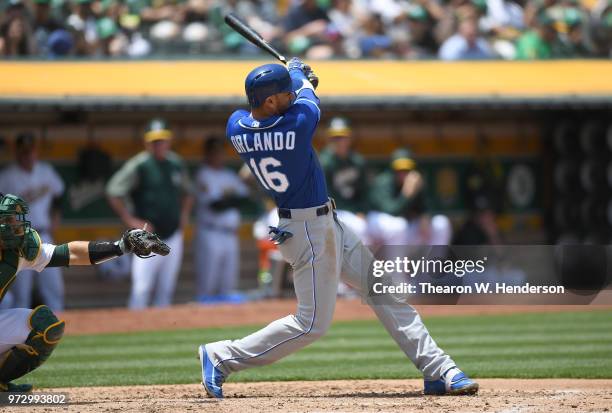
527, 359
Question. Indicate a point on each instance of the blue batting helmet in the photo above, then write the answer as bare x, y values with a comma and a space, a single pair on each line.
266, 80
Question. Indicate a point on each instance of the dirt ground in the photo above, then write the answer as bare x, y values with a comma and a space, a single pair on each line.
496, 395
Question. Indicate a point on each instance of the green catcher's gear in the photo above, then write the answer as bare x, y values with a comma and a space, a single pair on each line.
46, 333
15, 388
13, 223
9, 259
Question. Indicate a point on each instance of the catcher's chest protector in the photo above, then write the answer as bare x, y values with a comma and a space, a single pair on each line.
9, 260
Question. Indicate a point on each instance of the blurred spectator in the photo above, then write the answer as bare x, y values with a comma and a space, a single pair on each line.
388, 11
112, 42
601, 28
42, 188
540, 42
502, 17
134, 44
157, 183
375, 41
467, 44
319, 29
163, 19
16, 38
262, 16
347, 18
572, 35
44, 25
401, 218
219, 193
455, 12
306, 27
83, 25
423, 44
344, 168
59, 43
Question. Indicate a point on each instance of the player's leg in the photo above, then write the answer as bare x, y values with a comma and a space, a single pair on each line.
401, 320
201, 260
22, 289
168, 271
27, 339
143, 281
211, 255
229, 271
51, 287
313, 253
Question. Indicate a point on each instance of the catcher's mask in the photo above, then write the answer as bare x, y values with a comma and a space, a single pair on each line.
13, 223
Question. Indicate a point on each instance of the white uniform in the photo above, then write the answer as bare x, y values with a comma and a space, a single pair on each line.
14, 322
217, 255
385, 229
37, 188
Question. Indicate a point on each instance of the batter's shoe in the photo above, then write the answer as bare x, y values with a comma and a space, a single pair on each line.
453, 382
15, 388
212, 377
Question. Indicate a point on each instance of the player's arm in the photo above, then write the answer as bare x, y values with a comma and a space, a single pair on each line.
119, 186
302, 77
384, 199
84, 253
142, 243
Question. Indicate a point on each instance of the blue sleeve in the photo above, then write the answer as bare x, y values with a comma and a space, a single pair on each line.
234, 117
306, 101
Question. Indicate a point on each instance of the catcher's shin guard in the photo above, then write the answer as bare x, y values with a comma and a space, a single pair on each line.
46, 332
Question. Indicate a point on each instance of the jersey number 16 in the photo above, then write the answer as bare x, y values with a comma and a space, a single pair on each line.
269, 178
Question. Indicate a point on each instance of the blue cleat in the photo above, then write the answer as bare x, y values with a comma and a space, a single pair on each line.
212, 377
457, 384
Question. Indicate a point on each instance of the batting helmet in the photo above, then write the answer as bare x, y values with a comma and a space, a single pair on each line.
265, 81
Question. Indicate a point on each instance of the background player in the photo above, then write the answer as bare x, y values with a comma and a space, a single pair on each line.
157, 183
220, 192
28, 337
401, 214
275, 140
41, 187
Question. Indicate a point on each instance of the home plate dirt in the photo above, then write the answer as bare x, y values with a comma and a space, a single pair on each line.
497, 395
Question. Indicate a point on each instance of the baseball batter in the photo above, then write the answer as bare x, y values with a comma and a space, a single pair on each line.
28, 337
275, 139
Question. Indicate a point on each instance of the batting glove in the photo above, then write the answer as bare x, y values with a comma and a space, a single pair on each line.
297, 64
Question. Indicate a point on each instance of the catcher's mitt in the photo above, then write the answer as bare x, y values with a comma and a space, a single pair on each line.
143, 244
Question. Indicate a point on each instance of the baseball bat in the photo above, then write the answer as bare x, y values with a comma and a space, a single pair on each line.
252, 36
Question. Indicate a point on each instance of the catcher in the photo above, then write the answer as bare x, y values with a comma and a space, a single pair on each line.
28, 337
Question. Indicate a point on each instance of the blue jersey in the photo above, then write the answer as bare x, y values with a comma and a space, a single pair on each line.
279, 151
